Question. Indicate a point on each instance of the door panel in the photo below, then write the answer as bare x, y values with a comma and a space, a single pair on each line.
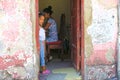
75, 33
37, 28
82, 37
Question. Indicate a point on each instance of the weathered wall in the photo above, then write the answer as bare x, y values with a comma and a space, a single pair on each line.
17, 50
100, 39
118, 46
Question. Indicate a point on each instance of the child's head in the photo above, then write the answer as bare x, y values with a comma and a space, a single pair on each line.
41, 19
48, 11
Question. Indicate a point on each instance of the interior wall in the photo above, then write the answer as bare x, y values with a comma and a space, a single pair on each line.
58, 6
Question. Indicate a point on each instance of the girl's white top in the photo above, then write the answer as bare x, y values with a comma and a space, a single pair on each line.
41, 34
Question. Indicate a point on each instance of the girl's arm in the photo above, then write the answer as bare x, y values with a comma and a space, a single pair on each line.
47, 26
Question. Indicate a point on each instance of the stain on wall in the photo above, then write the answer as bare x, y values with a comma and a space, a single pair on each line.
88, 21
16, 40
101, 35
103, 31
100, 72
118, 43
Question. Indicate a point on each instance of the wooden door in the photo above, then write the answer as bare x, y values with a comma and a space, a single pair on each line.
75, 33
37, 28
37, 31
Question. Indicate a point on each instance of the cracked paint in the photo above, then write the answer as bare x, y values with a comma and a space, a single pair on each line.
16, 41
109, 55
103, 32
101, 35
101, 72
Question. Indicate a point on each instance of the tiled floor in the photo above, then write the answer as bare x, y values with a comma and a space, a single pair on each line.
61, 71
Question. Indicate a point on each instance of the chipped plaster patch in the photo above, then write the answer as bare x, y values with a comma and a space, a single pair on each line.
102, 29
4, 75
101, 72
16, 40
17, 72
109, 55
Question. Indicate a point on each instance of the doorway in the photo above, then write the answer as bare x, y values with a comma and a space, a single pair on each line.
75, 23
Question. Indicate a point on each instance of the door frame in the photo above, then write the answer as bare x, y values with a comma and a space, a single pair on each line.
82, 33
79, 65
37, 24
82, 39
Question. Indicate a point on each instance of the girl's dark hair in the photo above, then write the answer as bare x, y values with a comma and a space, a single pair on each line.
41, 14
48, 10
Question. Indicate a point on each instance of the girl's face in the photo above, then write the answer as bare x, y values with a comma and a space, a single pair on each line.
46, 15
41, 20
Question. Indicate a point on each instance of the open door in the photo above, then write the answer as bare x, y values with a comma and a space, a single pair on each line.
37, 28
37, 31
76, 33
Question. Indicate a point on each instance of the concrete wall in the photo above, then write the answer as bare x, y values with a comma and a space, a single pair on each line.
100, 39
17, 50
118, 46
59, 7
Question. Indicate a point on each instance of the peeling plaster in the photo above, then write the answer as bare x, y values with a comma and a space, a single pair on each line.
102, 29
101, 72
110, 55
101, 35
16, 41
118, 42
103, 32
17, 72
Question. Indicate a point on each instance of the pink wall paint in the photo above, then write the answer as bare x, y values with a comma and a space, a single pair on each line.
99, 54
103, 32
14, 60
9, 6
108, 3
16, 42
100, 60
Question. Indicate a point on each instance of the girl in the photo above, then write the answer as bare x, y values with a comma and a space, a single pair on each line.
42, 44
